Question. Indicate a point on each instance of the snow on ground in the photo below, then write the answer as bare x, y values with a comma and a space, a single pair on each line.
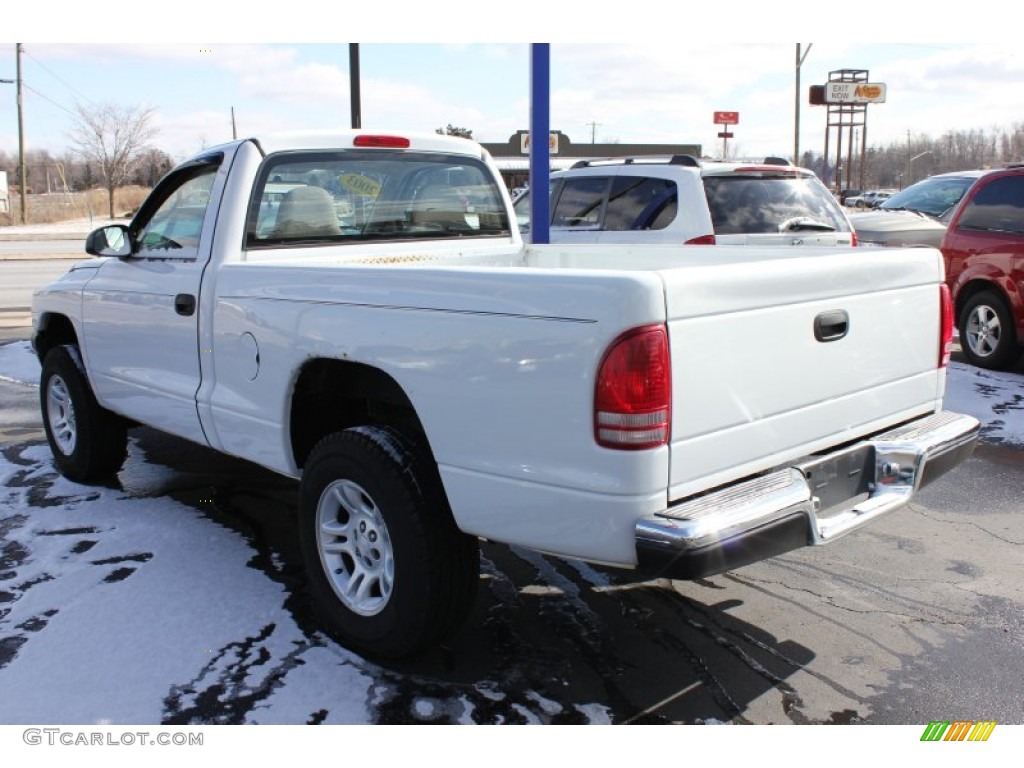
156, 628
18, 363
996, 399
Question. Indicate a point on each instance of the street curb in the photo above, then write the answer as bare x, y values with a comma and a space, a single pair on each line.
79, 256
8, 237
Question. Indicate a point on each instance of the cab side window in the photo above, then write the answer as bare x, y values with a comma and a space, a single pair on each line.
173, 227
580, 203
997, 207
637, 202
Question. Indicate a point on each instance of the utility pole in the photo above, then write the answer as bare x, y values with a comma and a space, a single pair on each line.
593, 130
796, 116
353, 76
234, 131
21, 139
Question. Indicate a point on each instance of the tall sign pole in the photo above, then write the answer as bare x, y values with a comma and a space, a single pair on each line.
540, 151
353, 76
726, 119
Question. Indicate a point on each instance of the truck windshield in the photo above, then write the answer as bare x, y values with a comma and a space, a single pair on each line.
304, 198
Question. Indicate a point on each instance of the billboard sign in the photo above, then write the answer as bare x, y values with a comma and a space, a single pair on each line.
854, 93
524, 143
727, 118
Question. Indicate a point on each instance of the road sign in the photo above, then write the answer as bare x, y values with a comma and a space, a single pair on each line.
854, 93
725, 135
727, 118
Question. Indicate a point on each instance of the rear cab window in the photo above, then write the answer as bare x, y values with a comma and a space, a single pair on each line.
329, 197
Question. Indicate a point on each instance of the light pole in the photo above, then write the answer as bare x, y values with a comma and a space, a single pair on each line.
21, 134
10, 82
796, 108
910, 164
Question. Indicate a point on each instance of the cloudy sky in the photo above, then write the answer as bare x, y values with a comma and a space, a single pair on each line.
661, 85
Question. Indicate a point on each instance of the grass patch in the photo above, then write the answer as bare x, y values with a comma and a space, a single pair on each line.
58, 206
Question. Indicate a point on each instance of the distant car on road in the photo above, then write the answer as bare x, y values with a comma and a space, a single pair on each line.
984, 253
870, 199
917, 215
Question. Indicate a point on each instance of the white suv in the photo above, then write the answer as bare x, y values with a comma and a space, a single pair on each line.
682, 200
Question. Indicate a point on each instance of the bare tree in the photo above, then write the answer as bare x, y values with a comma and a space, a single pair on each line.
111, 138
451, 130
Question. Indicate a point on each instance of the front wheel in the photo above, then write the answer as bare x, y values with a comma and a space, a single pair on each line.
988, 336
88, 442
389, 572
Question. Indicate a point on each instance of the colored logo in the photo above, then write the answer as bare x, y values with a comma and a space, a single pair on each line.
958, 730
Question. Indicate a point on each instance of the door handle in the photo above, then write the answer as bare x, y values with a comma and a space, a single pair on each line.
185, 304
831, 326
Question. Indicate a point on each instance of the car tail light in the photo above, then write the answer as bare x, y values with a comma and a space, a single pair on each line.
632, 402
946, 325
387, 142
853, 239
702, 240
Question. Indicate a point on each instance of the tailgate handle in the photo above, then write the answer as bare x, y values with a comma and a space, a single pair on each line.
831, 326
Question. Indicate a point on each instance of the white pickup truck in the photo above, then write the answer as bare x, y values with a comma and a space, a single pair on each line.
359, 311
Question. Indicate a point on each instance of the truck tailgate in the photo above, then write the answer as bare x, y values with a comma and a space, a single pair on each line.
776, 358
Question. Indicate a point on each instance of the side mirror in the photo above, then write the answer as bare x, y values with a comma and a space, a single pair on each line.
113, 240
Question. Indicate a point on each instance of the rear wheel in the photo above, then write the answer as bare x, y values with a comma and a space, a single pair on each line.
89, 443
389, 572
988, 336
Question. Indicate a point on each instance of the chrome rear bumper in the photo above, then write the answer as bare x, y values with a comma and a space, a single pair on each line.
812, 502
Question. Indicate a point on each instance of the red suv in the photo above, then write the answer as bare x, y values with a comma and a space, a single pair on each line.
984, 253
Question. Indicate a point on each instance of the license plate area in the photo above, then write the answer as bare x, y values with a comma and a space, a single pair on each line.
841, 479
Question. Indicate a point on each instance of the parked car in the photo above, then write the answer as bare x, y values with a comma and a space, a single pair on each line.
984, 253
870, 199
846, 194
682, 200
917, 215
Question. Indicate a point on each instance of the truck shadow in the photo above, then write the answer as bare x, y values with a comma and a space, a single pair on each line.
548, 641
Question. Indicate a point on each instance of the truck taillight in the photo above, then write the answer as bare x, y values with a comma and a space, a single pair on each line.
633, 398
946, 325
386, 142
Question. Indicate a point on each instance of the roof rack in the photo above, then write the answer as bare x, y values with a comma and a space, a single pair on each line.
769, 160
687, 160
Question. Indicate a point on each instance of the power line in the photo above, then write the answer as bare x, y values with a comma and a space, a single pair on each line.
47, 98
58, 77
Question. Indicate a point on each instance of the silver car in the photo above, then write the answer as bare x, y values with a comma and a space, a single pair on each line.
917, 215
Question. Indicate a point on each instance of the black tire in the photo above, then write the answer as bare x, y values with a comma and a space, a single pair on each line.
389, 573
89, 443
988, 336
